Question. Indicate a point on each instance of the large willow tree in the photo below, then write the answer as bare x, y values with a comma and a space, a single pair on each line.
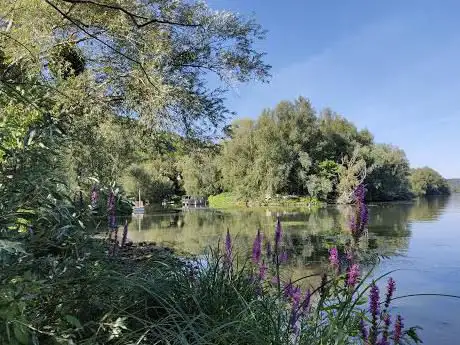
91, 66
151, 59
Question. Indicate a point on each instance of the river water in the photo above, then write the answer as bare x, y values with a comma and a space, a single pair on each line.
420, 239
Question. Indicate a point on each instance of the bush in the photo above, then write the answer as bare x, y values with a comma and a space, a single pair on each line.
225, 200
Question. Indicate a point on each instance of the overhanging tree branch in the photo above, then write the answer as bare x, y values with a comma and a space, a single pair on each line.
133, 16
74, 22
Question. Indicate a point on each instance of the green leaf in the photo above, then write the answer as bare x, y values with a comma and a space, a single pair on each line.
73, 321
21, 333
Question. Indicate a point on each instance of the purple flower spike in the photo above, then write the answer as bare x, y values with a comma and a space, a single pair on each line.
334, 257
294, 317
364, 215
374, 300
269, 249
275, 280
283, 258
384, 341
353, 225
296, 295
386, 327
360, 193
228, 248
257, 248
353, 275
94, 197
288, 289
306, 302
112, 221
278, 234
391, 287
262, 271
363, 331
398, 329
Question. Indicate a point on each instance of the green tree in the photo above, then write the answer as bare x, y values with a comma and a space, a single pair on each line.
427, 181
351, 173
136, 58
237, 160
200, 173
152, 184
111, 74
388, 173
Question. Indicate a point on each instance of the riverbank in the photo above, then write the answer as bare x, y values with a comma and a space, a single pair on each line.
230, 200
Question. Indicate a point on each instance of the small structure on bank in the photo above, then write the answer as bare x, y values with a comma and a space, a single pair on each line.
194, 201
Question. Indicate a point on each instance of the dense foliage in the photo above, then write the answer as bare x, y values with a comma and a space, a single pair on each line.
426, 181
293, 150
115, 75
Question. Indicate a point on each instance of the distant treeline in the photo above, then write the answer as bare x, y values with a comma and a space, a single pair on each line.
294, 150
454, 185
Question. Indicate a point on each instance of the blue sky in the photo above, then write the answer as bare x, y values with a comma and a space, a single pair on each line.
391, 66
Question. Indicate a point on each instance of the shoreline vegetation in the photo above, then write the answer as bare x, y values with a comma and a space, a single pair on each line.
110, 291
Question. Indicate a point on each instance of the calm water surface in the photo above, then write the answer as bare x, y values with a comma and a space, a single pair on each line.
420, 239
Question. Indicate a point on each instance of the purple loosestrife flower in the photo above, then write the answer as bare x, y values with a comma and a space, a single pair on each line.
334, 257
275, 280
288, 289
294, 317
353, 225
306, 302
359, 221
363, 215
278, 234
257, 248
360, 193
399, 325
363, 331
283, 257
374, 309
386, 327
94, 197
391, 287
374, 300
262, 271
322, 288
228, 248
384, 341
296, 295
353, 275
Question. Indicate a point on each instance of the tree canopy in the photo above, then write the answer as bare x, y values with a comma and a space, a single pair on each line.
294, 150
149, 60
121, 79
427, 181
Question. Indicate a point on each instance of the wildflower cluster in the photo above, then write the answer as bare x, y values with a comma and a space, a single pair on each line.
378, 331
358, 222
296, 301
335, 306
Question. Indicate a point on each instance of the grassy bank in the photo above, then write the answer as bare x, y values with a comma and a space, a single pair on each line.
230, 200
